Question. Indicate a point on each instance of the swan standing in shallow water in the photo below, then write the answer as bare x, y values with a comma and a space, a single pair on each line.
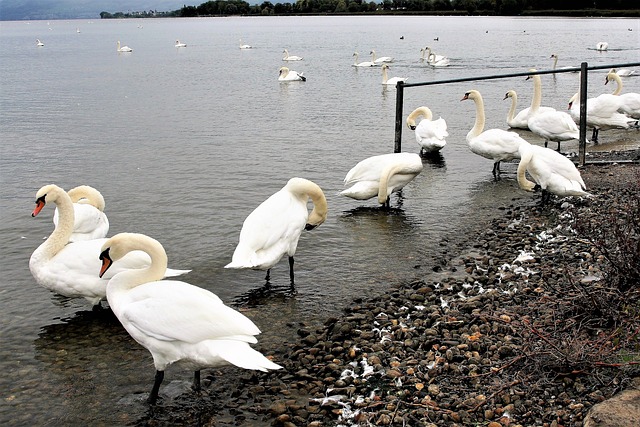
123, 48
178, 44
630, 101
90, 221
381, 176
381, 60
430, 134
287, 57
286, 75
176, 321
361, 64
274, 227
552, 171
390, 81
492, 144
39, 43
69, 269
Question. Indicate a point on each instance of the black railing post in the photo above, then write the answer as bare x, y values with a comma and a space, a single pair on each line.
397, 147
582, 146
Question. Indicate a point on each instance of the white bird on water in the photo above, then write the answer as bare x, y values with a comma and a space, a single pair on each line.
287, 57
602, 46
39, 43
390, 81
430, 134
630, 101
90, 221
361, 64
178, 44
245, 46
123, 48
176, 321
381, 60
286, 75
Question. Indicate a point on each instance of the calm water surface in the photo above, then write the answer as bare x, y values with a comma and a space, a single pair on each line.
185, 143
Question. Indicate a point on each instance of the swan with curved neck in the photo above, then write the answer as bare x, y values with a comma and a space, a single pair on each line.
286, 75
90, 221
390, 81
430, 134
493, 144
436, 58
361, 64
178, 44
287, 57
431, 60
521, 120
69, 269
630, 101
176, 321
381, 176
274, 227
380, 60
123, 48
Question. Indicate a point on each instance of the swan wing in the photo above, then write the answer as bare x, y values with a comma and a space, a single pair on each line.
497, 144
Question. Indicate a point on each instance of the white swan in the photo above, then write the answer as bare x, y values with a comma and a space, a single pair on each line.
274, 227
381, 175
390, 81
178, 44
90, 221
69, 269
602, 46
521, 120
431, 60
123, 48
552, 171
436, 58
380, 60
555, 64
492, 144
361, 64
625, 72
430, 134
630, 101
287, 57
39, 43
176, 321
245, 46
286, 75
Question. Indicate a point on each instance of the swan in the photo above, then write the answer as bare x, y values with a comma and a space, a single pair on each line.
431, 60
493, 144
361, 64
602, 46
178, 44
176, 321
553, 173
630, 101
39, 43
288, 57
625, 72
381, 176
602, 113
380, 60
390, 81
286, 75
436, 58
430, 134
274, 227
245, 46
69, 269
555, 63
520, 120
90, 221
123, 48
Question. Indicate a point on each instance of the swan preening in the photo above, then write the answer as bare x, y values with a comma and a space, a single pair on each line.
178, 44
390, 81
123, 48
492, 144
361, 64
630, 101
176, 321
287, 57
602, 46
39, 43
90, 221
286, 75
381, 60
381, 175
69, 269
274, 227
551, 171
430, 134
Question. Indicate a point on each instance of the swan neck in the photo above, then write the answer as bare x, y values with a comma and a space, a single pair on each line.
383, 184
512, 109
62, 233
131, 278
618, 80
385, 77
537, 93
480, 119
319, 213
523, 182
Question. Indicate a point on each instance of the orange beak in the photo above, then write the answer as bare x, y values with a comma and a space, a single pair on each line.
106, 262
39, 205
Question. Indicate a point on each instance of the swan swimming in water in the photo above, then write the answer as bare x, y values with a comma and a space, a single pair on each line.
381, 176
245, 46
361, 64
436, 58
287, 57
286, 75
492, 144
274, 227
123, 48
176, 321
430, 134
39, 43
555, 64
602, 46
630, 101
178, 44
69, 269
380, 60
90, 221
431, 60
553, 173
390, 81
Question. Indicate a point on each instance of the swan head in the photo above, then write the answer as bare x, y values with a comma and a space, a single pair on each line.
472, 94
48, 193
121, 244
573, 99
510, 94
283, 71
385, 67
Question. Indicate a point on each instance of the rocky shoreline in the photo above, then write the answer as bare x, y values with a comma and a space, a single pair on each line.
512, 331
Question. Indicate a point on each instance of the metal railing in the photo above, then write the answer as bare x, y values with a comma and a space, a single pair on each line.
583, 69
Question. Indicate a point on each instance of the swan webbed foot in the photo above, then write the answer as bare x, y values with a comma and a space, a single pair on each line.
196, 381
153, 396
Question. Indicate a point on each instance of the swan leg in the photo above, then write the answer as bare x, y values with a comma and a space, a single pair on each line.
546, 197
268, 276
291, 269
153, 396
196, 380
496, 170
594, 135
546, 143
558, 150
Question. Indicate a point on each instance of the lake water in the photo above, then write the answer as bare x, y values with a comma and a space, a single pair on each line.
185, 143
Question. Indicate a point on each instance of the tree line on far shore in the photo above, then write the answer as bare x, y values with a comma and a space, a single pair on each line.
464, 7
